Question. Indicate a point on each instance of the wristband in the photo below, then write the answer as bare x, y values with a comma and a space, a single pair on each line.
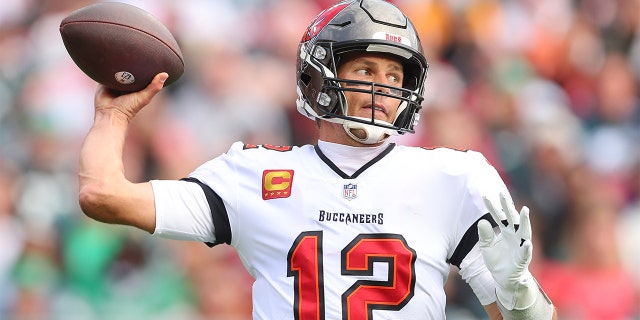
541, 309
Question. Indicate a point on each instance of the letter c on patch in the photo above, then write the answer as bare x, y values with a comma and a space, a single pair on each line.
276, 184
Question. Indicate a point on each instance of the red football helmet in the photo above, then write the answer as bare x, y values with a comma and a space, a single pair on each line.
367, 26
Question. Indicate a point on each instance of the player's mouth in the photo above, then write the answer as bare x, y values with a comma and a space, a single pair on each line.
379, 110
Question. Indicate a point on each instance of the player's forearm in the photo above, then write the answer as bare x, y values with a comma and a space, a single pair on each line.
493, 311
101, 170
105, 193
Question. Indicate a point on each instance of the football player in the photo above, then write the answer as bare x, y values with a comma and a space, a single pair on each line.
353, 227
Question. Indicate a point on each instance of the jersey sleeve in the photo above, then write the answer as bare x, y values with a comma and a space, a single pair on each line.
482, 180
182, 211
221, 179
195, 208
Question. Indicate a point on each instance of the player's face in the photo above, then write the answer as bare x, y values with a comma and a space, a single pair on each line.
373, 67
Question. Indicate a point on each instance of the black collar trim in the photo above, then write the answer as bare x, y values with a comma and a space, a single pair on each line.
359, 171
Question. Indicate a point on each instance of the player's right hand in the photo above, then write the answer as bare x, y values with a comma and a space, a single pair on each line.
131, 103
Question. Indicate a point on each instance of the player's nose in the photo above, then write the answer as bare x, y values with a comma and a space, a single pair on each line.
386, 86
381, 78
387, 83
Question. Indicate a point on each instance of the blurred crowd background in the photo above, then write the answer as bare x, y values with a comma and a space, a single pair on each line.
548, 90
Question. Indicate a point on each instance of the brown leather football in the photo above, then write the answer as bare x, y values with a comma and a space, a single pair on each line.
121, 46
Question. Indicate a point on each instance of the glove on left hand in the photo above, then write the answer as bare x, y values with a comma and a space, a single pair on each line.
507, 255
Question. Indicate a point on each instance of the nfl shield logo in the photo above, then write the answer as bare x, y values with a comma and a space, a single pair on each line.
350, 191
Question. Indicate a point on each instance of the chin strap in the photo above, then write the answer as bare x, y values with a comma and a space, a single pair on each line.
371, 134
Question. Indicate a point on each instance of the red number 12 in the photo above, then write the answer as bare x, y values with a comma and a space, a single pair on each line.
304, 263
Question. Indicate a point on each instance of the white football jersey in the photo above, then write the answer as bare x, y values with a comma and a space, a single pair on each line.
323, 244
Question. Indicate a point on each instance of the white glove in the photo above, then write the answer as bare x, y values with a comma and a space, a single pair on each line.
507, 254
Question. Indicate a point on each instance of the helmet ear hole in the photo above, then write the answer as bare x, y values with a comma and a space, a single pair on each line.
411, 81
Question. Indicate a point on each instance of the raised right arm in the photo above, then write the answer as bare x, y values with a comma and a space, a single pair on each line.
105, 194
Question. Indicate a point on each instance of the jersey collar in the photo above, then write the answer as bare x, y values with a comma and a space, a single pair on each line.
351, 161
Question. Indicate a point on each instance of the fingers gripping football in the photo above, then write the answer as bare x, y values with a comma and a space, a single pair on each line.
128, 104
508, 253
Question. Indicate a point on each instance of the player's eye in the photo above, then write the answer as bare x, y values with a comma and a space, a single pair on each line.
363, 72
